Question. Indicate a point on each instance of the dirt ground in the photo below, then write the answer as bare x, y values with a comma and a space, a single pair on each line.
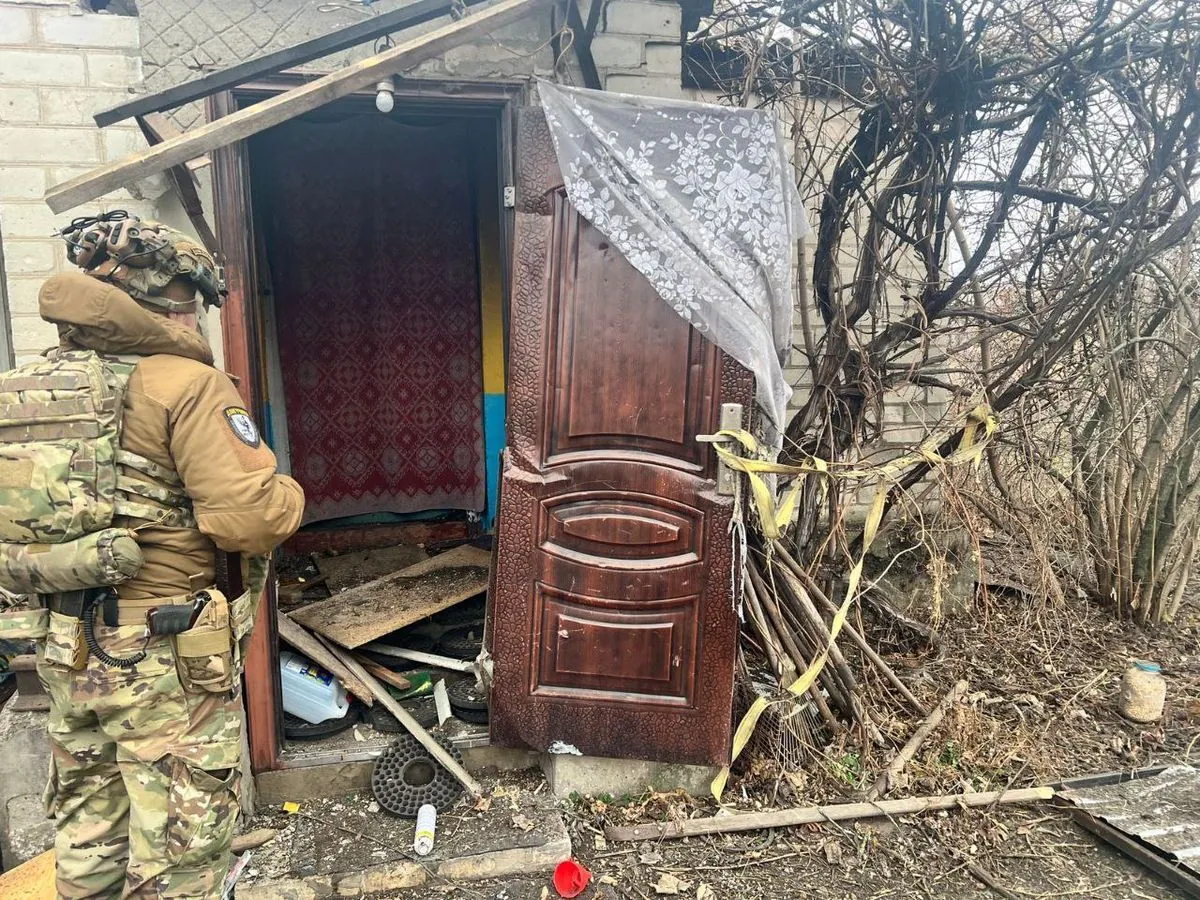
1041, 708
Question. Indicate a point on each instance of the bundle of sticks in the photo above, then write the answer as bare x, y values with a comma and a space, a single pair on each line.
788, 618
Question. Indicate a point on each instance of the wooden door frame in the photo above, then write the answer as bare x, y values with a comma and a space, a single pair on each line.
239, 330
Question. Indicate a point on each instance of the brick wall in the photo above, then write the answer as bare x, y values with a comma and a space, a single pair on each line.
58, 65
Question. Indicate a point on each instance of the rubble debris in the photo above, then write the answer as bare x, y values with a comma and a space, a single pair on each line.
290, 593
1156, 820
362, 614
818, 814
442, 701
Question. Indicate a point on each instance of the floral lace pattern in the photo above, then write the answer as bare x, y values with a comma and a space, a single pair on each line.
700, 199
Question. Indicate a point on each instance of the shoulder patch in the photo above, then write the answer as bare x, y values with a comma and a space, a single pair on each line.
242, 426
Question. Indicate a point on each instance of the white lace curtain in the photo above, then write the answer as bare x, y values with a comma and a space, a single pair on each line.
701, 200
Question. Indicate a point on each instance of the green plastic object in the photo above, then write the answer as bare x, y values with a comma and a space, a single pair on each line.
420, 681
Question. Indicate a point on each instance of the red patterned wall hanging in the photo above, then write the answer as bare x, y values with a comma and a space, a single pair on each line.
370, 235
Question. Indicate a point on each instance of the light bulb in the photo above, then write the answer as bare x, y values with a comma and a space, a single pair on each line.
385, 100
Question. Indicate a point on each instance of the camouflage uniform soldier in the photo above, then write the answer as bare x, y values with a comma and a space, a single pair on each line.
126, 462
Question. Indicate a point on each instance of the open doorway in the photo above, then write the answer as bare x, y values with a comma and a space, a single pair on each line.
370, 266
376, 349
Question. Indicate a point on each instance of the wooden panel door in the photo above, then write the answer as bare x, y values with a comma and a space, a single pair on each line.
614, 628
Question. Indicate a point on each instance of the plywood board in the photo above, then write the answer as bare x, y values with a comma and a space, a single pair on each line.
352, 569
359, 615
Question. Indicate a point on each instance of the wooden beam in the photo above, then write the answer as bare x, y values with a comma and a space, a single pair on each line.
182, 181
393, 706
344, 38
816, 815
312, 648
158, 128
276, 110
583, 42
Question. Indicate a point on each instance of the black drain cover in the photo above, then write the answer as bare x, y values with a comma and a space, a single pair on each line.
462, 643
468, 703
406, 777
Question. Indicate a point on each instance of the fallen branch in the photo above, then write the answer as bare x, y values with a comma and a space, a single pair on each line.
796, 570
816, 814
888, 777
410, 724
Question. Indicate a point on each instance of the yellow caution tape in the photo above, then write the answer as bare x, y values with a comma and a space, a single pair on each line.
977, 431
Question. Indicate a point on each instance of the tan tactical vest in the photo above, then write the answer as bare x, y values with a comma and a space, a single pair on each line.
65, 481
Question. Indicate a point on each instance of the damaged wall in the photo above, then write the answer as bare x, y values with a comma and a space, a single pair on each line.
58, 65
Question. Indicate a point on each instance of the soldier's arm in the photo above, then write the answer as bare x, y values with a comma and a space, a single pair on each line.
229, 472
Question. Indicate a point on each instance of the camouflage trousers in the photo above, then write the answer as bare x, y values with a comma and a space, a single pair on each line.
144, 776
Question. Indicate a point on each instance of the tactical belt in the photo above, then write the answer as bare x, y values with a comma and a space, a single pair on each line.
129, 612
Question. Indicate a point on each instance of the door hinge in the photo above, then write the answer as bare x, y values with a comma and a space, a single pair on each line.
510, 196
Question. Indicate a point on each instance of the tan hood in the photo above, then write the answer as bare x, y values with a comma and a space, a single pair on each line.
98, 316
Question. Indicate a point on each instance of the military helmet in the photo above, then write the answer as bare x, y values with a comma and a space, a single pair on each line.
141, 257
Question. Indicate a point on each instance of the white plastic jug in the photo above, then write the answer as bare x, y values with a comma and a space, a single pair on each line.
309, 691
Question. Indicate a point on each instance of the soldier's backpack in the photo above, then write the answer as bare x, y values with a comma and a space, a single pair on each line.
64, 476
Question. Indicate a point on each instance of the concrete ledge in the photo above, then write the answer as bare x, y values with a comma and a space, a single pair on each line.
341, 778
590, 776
396, 876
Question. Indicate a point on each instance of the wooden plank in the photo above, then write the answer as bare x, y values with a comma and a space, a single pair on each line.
427, 741
352, 569
359, 615
387, 676
315, 650
815, 815
276, 110
583, 44
158, 128
418, 656
183, 181
407, 16
32, 880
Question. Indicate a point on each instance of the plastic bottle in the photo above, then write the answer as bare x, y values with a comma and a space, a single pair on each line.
1143, 692
309, 691
426, 826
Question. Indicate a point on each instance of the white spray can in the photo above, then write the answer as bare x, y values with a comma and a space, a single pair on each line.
426, 825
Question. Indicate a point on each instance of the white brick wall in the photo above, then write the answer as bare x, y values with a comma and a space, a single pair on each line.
58, 66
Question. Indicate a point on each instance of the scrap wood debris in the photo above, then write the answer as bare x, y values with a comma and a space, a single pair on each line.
362, 614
